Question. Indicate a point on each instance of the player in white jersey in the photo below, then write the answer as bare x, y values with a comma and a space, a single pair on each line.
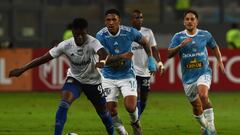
140, 60
84, 53
191, 46
120, 78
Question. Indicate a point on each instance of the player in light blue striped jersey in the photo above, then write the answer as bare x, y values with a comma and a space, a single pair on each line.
191, 46
119, 74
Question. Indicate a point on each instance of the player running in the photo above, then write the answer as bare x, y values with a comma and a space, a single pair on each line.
82, 76
191, 45
140, 60
120, 77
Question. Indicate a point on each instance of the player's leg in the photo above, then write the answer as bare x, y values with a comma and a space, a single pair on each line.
143, 84
117, 122
129, 91
203, 84
70, 91
96, 95
112, 93
192, 95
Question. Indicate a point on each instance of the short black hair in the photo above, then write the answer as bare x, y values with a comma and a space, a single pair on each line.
137, 11
190, 11
112, 11
79, 23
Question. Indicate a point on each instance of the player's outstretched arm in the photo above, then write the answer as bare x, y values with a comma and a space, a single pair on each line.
218, 55
173, 51
34, 63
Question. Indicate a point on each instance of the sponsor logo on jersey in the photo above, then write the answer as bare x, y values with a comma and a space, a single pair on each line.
194, 64
189, 55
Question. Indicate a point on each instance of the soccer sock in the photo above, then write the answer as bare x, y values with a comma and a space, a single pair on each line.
209, 115
107, 121
61, 117
201, 120
141, 106
117, 123
134, 115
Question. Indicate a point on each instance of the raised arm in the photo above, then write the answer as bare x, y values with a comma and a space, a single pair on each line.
173, 51
34, 63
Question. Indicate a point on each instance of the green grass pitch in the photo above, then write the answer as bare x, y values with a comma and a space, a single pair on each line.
166, 114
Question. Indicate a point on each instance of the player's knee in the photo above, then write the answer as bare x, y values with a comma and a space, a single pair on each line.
64, 104
130, 108
113, 111
203, 97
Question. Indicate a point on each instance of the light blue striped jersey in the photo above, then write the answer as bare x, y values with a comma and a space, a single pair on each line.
194, 56
119, 44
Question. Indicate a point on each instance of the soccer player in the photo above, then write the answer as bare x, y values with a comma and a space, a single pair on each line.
140, 60
119, 78
191, 46
82, 76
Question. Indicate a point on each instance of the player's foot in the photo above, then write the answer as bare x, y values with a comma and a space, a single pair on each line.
137, 130
121, 130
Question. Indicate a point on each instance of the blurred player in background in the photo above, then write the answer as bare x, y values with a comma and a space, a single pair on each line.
82, 76
120, 77
191, 45
140, 60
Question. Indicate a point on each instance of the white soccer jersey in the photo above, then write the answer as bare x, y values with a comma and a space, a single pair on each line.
82, 59
140, 56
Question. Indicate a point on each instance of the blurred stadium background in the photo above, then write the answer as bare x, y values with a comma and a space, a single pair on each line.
31, 27
35, 23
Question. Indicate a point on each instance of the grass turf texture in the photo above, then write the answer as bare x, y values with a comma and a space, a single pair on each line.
166, 114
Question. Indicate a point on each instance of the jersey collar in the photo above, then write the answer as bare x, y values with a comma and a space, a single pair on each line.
191, 35
117, 32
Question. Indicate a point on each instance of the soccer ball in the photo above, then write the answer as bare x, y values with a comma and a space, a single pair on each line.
71, 134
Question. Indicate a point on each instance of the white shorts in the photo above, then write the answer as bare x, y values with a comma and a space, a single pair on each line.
113, 88
191, 90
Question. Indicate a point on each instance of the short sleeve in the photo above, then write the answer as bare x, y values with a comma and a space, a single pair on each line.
211, 42
57, 50
152, 40
137, 36
174, 41
96, 45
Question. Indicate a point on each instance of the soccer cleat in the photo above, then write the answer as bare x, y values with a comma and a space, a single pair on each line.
137, 129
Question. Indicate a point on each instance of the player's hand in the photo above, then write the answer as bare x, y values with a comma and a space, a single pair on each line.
127, 55
220, 64
160, 67
100, 64
151, 65
186, 41
16, 72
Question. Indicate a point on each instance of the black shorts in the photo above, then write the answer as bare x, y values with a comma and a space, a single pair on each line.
143, 83
93, 92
